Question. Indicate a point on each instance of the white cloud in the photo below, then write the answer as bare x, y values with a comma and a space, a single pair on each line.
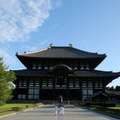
18, 18
7, 58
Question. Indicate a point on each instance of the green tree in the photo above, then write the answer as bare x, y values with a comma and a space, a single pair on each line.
6, 79
110, 88
117, 88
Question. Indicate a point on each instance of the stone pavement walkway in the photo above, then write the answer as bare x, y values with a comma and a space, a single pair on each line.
47, 113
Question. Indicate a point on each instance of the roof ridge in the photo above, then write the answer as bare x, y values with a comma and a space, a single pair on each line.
88, 52
63, 51
77, 49
32, 52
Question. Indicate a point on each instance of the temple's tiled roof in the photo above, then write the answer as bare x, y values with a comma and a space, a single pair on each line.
99, 94
35, 73
61, 52
94, 73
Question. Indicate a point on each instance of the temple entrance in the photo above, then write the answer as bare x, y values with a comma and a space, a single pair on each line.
49, 94
71, 94
62, 92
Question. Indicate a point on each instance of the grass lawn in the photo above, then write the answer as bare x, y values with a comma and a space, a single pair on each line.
117, 107
108, 110
11, 108
114, 108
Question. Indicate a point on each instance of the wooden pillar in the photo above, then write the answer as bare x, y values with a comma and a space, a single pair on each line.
40, 91
67, 89
67, 95
53, 95
40, 86
104, 85
27, 88
80, 82
93, 82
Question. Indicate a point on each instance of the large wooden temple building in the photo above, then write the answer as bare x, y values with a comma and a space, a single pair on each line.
60, 70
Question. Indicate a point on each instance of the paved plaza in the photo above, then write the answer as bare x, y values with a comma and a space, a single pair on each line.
47, 113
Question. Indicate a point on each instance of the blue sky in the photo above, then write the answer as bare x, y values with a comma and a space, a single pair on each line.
90, 25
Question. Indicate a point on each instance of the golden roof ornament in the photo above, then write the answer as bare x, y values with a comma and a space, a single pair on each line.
70, 45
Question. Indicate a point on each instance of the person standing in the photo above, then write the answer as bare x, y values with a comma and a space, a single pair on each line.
61, 99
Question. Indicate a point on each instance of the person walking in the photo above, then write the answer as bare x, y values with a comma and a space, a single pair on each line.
56, 110
62, 110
